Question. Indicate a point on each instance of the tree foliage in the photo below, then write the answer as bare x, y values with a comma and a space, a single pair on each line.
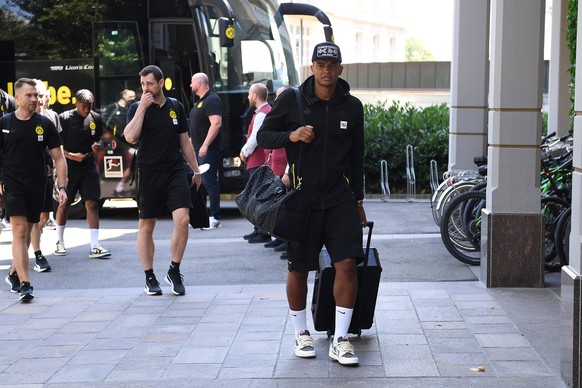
53, 29
416, 52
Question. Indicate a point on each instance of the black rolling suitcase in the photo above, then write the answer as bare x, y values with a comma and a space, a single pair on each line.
323, 303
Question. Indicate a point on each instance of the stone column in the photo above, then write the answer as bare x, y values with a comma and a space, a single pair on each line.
570, 295
559, 93
512, 228
469, 83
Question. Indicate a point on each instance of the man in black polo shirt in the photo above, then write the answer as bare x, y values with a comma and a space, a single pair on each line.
25, 136
159, 125
205, 131
82, 130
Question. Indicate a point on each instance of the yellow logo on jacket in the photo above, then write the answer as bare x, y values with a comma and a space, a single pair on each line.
173, 114
199, 105
39, 130
92, 126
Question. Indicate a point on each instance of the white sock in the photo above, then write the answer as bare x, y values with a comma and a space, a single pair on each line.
299, 319
343, 318
94, 237
61, 233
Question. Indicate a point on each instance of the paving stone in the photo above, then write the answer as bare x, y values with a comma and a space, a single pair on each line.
454, 345
72, 373
134, 374
511, 354
518, 368
423, 367
502, 340
54, 351
438, 314
97, 357
201, 355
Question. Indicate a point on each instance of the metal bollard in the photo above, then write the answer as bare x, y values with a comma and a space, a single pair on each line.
384, 180
410, 175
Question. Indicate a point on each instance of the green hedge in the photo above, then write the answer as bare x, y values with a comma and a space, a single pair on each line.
388, 130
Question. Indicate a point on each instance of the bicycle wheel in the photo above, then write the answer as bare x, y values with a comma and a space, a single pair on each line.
562, 237
450, 193
461, 226
551, 209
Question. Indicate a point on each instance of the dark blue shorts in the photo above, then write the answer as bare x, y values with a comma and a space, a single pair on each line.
337, 228
158, 188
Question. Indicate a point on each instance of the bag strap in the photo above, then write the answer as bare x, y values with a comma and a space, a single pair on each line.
370, 226
302, 121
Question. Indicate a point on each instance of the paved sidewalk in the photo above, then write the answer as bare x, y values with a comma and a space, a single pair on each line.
445, 334
435, 324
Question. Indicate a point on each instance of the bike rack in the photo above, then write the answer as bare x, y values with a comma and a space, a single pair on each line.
434, 176
384, 180
410, 175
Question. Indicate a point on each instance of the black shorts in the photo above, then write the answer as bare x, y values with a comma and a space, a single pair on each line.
48, 206
338, 228
158, 188
20, 202
83, 178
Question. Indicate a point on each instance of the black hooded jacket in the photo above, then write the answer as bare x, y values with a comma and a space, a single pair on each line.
332, 165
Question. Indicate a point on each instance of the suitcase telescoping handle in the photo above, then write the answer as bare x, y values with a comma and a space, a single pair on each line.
370, 226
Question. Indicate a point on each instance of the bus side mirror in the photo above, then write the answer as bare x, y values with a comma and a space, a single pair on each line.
226, 31
328, 31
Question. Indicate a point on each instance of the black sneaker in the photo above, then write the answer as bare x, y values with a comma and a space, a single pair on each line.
41, 264
273, 244
13, 281
250, 235
281, 247
260, 238
26, 292
152, 286
175, 279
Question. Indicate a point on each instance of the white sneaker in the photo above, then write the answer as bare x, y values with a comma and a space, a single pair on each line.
303, 345
343, 352
60, 251
213, 223
5, 225
99, 252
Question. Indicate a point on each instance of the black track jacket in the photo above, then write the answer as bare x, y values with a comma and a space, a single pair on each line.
332, 165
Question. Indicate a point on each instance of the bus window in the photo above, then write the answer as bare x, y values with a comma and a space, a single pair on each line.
256, 61
117, 49
174, 50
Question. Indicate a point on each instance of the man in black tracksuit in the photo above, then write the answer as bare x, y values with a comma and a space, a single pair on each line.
327, 157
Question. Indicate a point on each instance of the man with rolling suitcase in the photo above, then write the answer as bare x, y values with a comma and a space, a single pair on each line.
327, 156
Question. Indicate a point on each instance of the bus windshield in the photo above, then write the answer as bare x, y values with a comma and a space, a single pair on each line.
260, 57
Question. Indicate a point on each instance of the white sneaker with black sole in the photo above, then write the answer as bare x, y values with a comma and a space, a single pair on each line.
99, 253
60, 250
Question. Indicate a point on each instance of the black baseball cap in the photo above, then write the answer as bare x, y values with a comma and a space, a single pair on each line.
326, 50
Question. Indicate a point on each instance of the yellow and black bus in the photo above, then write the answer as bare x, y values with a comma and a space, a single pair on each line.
102, 46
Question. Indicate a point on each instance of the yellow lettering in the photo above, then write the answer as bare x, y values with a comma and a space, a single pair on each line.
53, 94
10, 87
64, 95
